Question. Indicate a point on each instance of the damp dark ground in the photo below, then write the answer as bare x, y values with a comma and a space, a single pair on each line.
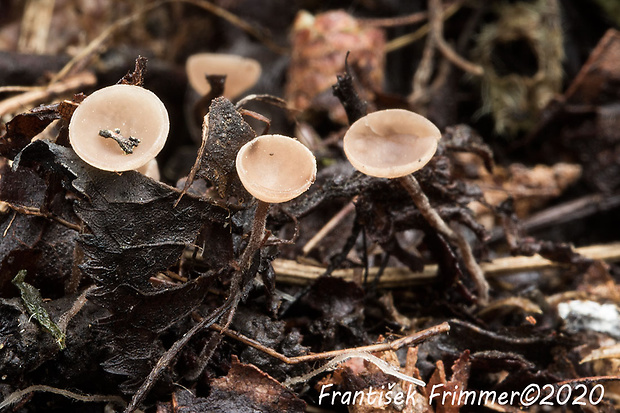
120, 292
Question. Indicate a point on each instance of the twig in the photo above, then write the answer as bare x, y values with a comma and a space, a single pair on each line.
288, 271
413, 18
409, 340
436, 25
329, 226
35, 25
409, 38
100, 40
18, 102
65, 318
15, 89
18, 395
410, 183
422, 75
6, 230
383, 365
37, 213
566, 212
172, 352
242, 24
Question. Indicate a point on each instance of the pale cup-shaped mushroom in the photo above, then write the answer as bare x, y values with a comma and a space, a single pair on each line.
394, 143
119, 128
241, 73
274, 169
150, 169
391, 143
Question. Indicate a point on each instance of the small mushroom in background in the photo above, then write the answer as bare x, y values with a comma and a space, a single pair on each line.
150, 169
241, 72
119, 128
274, 169
231, 76
393, 144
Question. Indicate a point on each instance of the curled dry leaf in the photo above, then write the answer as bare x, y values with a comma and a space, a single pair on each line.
372, 384
224, 133
530, 188
246, 388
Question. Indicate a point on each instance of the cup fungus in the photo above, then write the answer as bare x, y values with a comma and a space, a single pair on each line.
119, 128
150, 169
274, 169
241, 73
393, 144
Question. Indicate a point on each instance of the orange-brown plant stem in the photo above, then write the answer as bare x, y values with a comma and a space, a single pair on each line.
410, 340
257, 236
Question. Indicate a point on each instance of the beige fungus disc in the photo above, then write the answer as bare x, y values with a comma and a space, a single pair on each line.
391, 143
241, 73
134, 110
275, 168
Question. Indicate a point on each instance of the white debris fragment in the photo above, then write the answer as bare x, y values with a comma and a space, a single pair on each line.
581, 315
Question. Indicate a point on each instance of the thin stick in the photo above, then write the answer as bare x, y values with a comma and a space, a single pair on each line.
79, 303
409, 38
410, 340
436, 24
291, 272
423, 73
329, 226
257, 237
100, 40
35, 26
37, 213
242, 24
172, 352
432, 217
18, 102
18, 395
14, 89
413, 18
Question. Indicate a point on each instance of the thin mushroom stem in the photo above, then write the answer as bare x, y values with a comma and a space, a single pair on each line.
257, 236
256, 240
421, 201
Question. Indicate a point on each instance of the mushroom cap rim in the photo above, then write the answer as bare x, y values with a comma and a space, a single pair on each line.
201, 85
430, 139
265, 193
131, 161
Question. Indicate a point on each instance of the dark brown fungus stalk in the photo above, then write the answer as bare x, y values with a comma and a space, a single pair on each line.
393, 144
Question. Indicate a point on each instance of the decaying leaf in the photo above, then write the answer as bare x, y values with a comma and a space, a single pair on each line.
441, 387
529, 188
135, 232
129, 216
246, 388
224, 133
22, 128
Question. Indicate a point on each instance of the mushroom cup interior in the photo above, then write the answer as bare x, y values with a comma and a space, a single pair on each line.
133, 110
276, 168
391, 143
241, 73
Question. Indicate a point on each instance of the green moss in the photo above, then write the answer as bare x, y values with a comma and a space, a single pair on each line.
34, 304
